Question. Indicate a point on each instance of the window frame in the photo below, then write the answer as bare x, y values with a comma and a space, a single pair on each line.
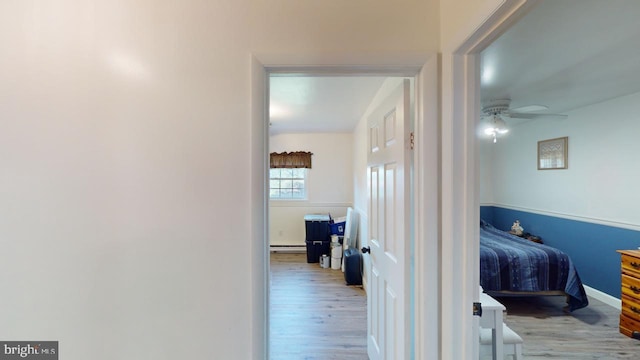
304, 178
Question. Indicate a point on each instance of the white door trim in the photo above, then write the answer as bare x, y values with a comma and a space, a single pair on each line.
423, 325
460, 187
426, 209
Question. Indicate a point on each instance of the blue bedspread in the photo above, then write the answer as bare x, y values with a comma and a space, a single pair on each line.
510, 263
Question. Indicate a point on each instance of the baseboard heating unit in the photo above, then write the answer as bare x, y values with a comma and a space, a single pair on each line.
288, 248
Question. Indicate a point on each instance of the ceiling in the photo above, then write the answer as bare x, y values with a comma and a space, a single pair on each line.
566, 54
302, 104
563, 54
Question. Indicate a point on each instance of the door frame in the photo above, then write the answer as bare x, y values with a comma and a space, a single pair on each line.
426, 125
460, 94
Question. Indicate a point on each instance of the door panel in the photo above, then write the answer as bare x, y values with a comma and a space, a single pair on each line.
387, 162
390, 203
391, 309
375, 330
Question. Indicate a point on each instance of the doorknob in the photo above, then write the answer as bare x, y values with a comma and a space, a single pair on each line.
366, 249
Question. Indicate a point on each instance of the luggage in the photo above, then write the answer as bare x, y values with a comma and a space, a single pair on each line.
352, 266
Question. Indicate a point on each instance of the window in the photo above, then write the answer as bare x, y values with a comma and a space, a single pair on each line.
287, 184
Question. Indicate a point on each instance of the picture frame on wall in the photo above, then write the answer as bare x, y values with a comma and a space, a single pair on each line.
553, 154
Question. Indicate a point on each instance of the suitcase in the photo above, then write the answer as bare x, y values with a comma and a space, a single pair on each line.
352, 266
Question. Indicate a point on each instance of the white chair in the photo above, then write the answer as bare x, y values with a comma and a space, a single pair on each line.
512, 343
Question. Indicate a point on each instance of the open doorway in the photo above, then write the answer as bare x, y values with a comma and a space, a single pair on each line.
327, 117
542, 85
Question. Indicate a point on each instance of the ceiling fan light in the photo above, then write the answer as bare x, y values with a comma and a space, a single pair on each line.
498, 122
495, 126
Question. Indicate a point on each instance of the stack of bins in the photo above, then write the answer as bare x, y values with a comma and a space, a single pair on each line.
336, 255
336, 229
317, 236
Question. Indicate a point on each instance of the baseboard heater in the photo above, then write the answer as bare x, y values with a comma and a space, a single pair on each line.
288, 248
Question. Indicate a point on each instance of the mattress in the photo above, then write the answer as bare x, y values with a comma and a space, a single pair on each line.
512, 264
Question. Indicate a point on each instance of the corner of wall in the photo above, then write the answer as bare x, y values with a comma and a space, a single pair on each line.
259, 253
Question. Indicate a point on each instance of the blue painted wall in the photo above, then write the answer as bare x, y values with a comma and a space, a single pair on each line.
486, 214
592, 247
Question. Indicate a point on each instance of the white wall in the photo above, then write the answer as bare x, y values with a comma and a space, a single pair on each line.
127, 157
360, 199
603, 162
485, 165
329, 183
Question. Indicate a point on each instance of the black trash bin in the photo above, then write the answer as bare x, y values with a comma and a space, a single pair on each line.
317, 236
317, 248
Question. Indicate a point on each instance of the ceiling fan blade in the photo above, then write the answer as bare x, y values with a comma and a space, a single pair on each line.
530, 108
537, 116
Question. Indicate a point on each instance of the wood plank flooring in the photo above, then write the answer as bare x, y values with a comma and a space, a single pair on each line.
314, 315
550, 333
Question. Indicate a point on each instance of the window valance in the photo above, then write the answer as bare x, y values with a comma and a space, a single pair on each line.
291, 160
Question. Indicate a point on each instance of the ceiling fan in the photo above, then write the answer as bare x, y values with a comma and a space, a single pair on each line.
495, 111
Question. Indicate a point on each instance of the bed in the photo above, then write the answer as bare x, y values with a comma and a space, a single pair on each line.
510, 265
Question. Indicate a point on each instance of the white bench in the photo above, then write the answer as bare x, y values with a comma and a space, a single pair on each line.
512, 343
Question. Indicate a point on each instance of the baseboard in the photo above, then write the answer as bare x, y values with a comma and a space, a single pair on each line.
605, 298
288, 248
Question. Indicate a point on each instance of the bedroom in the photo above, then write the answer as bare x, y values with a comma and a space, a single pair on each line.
587, 210
324, 115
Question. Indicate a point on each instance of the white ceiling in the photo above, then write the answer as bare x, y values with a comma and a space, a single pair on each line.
301, 104
563, 54
566, 54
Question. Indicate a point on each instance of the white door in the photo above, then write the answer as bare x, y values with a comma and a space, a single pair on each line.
388, 284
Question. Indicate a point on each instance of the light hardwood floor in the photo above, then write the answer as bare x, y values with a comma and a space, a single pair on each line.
314, 315
550, 333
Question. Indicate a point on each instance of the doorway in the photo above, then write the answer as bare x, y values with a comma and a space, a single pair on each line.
328, 172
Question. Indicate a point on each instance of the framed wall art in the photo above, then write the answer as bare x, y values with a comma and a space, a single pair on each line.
553, 154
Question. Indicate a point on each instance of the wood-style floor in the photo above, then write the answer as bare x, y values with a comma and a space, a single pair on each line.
314, 315
550, 333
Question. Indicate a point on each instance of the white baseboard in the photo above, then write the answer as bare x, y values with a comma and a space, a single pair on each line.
605, 298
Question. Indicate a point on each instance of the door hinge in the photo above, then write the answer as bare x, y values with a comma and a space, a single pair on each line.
477, 309
411, 141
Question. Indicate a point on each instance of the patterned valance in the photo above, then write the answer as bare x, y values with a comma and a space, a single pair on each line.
291, 160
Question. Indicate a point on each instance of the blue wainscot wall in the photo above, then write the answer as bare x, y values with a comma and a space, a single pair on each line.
592, 247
